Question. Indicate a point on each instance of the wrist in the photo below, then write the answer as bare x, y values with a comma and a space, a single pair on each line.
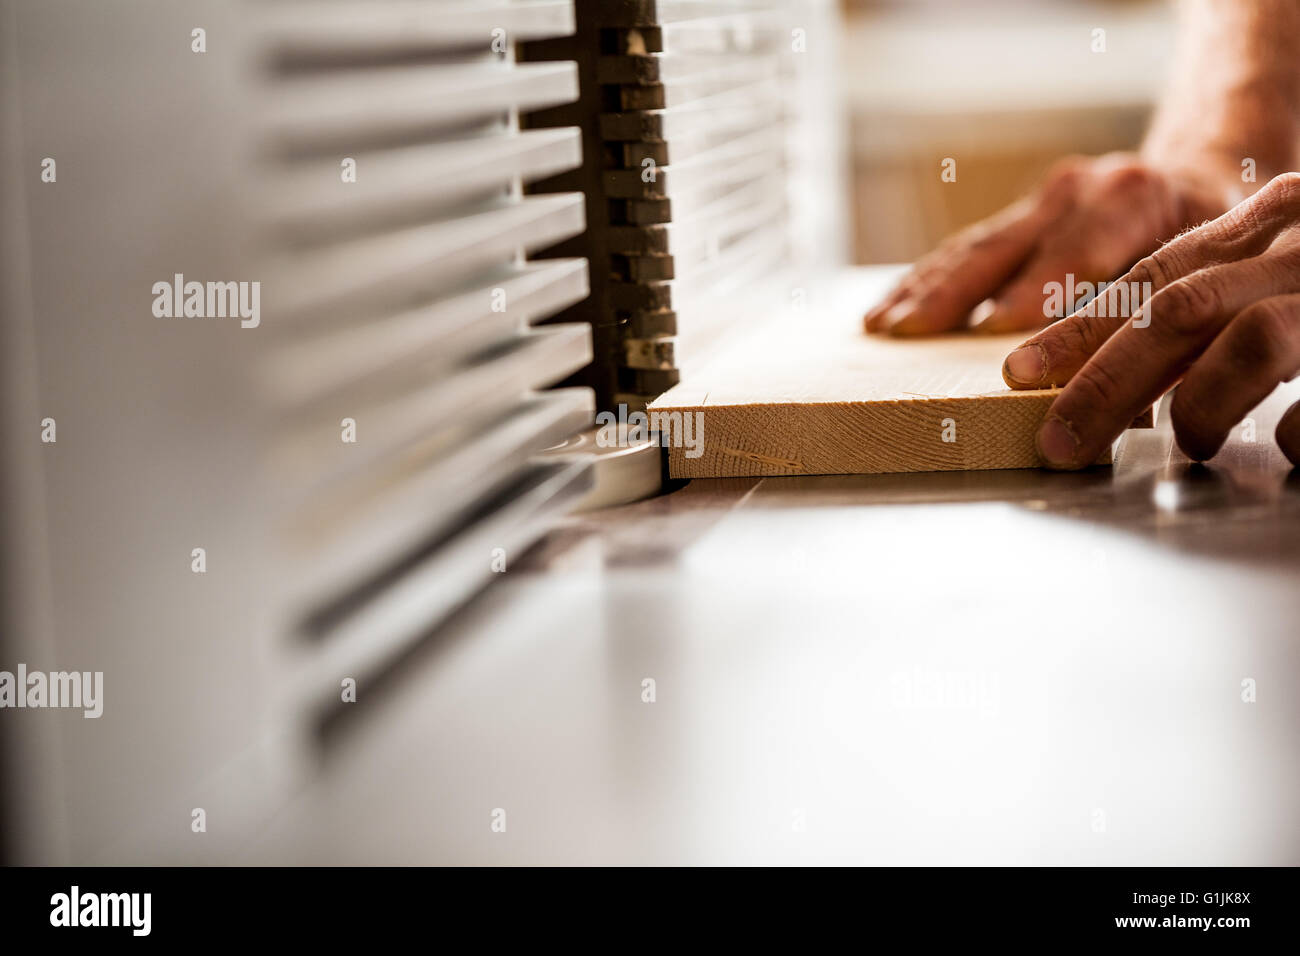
1229, 145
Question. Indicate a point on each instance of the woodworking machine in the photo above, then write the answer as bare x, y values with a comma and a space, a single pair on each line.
470, 225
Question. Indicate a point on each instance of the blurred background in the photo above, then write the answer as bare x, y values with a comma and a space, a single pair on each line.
1004, 87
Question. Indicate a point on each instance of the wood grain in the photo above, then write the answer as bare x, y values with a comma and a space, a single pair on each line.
811, 394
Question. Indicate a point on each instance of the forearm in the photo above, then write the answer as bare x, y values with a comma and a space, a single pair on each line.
1234, 93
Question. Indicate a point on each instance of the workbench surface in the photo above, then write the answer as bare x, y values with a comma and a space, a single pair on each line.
992, 667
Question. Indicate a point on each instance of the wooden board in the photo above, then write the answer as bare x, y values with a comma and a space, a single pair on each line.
811, 394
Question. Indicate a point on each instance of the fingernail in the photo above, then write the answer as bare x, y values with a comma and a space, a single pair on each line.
1025, 366
1056, 443
899, 313
980, 314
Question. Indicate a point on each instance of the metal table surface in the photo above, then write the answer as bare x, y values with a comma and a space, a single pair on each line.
987, 667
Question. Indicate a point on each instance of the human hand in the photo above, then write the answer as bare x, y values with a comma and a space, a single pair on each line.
1092, 218
1222, 314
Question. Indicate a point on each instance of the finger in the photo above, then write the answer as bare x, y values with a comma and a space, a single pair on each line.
968, 268
1054, 355
1140, 362
908, 287
873, 319
1288, 434
1258, 350
1030, 301
1245, 230
1099, 240
972, 266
